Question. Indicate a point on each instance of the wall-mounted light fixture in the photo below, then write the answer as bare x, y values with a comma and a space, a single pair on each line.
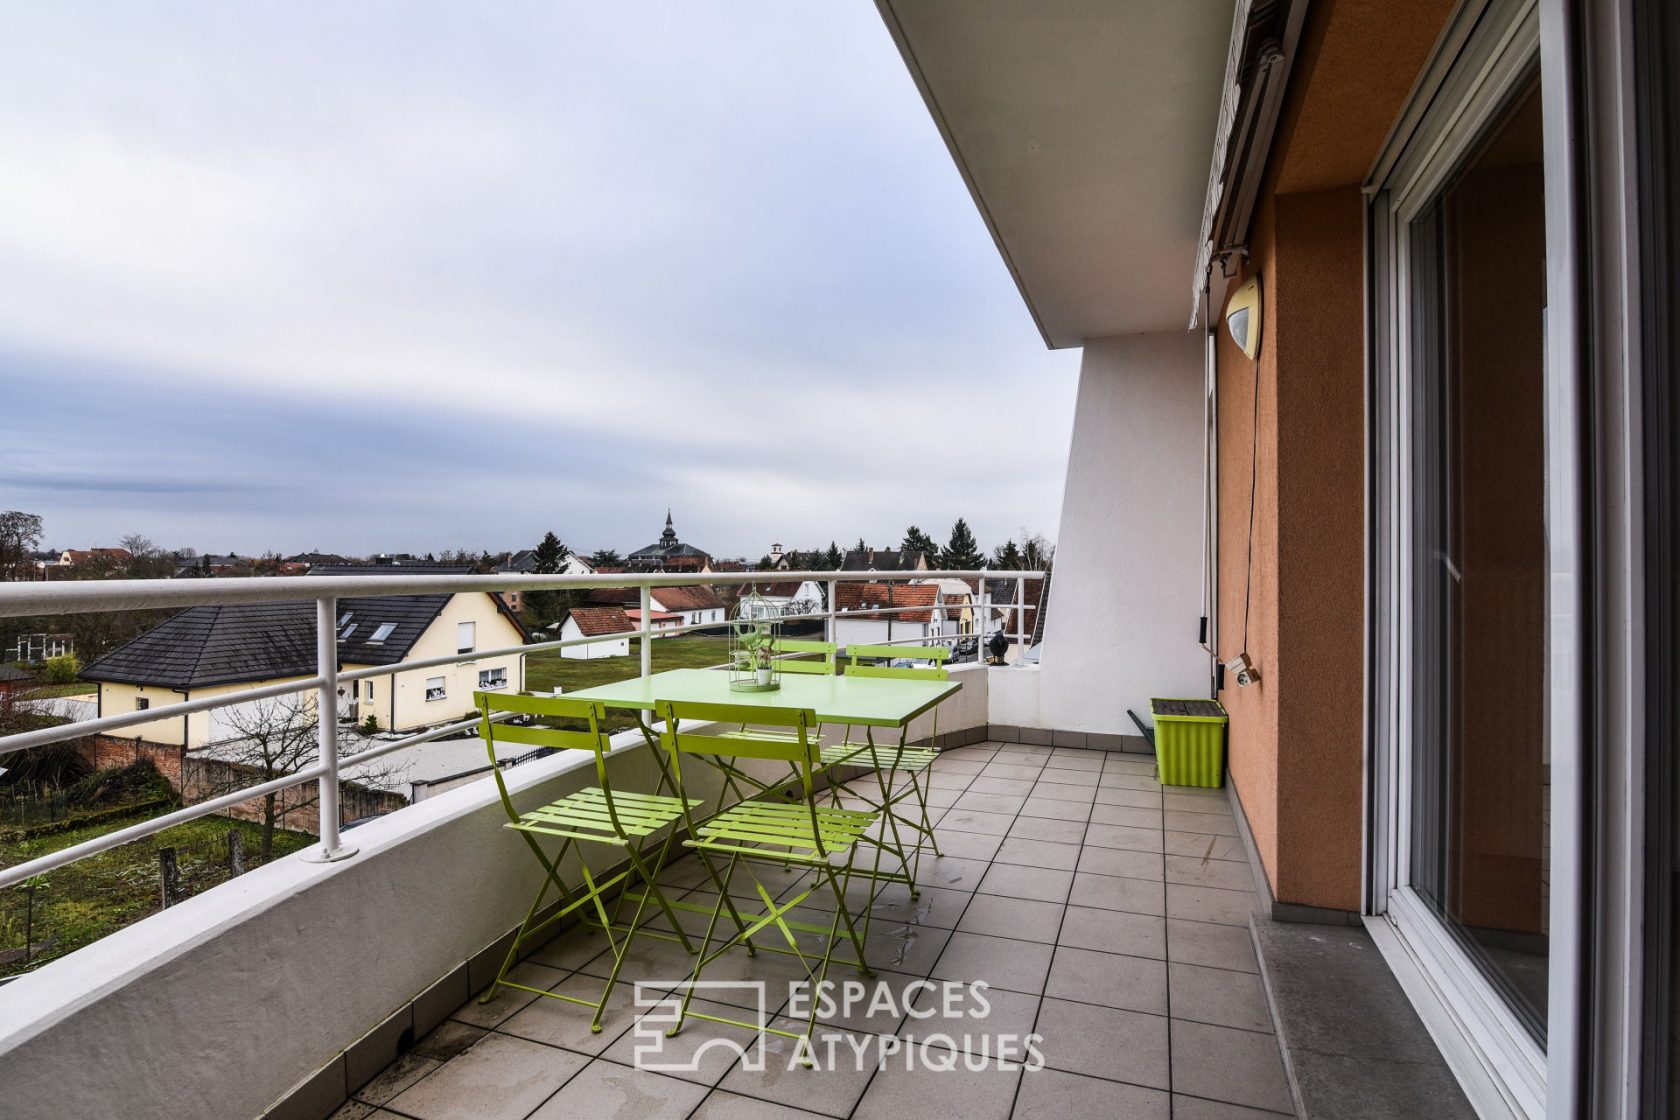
1242, 316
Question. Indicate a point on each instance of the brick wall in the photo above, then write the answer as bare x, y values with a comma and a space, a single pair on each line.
197, 779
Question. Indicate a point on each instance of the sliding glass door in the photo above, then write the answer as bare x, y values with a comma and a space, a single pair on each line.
1472, 586
1479, 759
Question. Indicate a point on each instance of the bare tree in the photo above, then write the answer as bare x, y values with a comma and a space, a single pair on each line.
271, 739
20, 534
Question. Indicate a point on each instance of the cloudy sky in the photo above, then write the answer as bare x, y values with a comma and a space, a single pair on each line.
414, 276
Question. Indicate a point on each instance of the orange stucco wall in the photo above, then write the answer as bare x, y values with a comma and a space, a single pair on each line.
1296, 738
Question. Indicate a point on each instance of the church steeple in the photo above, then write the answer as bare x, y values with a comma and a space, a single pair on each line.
669, 536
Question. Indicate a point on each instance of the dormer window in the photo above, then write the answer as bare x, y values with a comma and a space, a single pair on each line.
384, 631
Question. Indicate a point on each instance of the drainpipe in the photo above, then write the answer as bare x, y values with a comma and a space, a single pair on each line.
186, 726
1209, 635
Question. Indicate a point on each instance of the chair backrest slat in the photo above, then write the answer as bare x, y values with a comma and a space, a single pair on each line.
822, 666
857, 655
903, 673
803, 750
590, 713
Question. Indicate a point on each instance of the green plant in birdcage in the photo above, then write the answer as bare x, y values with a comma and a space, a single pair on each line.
752, 646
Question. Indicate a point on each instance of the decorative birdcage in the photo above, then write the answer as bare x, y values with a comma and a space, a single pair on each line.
752, 646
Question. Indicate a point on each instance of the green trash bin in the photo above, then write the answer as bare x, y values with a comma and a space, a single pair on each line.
1189, 741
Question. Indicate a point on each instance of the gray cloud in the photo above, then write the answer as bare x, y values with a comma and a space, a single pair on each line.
419, 275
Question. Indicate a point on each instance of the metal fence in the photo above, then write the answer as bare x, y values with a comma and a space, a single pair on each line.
29, 599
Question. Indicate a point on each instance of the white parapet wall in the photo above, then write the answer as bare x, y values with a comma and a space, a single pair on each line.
219, 1007
1121, 622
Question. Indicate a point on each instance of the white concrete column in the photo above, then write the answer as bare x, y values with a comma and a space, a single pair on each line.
1124, 605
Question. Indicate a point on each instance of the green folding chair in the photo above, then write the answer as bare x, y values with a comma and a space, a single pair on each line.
617, 821
776, 833
823, 665
886, 761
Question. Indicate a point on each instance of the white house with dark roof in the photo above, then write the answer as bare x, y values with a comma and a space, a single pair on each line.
209, 650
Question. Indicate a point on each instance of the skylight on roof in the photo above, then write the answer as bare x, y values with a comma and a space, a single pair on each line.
345, 618
384, 631
344, 635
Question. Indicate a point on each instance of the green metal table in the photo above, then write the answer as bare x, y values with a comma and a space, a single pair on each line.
867, 702
854, 701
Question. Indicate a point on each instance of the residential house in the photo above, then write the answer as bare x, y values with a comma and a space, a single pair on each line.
868, 613
14, 680
688, 605
597, 622
884, 560
668, 554
211, 650
45, 564
791, 596
960, 601
524, 562
319, 559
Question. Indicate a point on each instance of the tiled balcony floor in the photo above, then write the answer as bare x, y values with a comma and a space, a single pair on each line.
1107, 916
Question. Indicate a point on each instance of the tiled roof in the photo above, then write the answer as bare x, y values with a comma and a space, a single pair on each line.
785, 589
210, 645
593, 622
862, 597
691, 598
78, 555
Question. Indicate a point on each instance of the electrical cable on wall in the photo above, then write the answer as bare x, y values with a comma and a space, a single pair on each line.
1253, 479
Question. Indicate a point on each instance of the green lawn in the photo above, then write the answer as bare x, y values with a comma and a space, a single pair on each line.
101, 894
45, 691
547, 669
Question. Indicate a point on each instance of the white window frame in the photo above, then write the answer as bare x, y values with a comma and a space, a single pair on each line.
1488, 52
440, 685
469, 632
487, 681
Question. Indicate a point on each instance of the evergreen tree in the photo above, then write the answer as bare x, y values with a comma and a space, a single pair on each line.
917, 541
544, 607
833, 559
961, 553
606, 558
1007, 556
549, 555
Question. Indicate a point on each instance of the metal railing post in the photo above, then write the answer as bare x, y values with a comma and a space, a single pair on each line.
1021, 619
831, 631
326, 727
647, 631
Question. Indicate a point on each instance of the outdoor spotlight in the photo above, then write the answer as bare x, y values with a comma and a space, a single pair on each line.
1242, 316
1243, 669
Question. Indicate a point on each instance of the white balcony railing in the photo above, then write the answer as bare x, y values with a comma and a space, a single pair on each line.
33, 599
